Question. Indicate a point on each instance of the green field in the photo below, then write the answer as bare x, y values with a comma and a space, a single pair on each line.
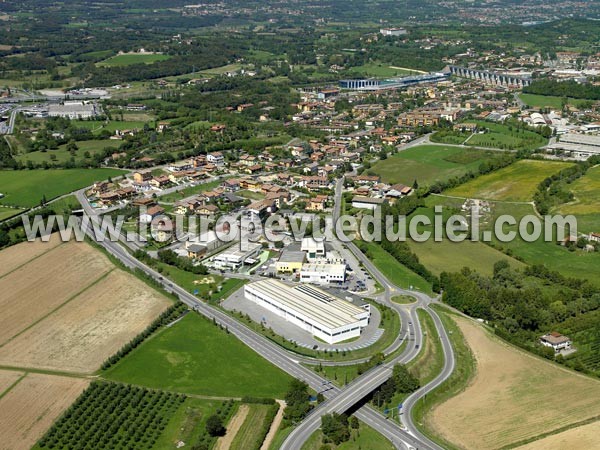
428, 163
374, 69
196, 357
549, 101
223, 69
505, 137
186, 423
6, 213
128, 59
248, 435
586, 206
517, 182
365, 439
61, 155
97, 126
27, 187
398, 274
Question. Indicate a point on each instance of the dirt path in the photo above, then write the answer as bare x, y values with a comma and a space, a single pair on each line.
234, 425
274, 426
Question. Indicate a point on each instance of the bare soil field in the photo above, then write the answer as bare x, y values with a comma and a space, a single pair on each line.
586, 436
30, 407
19, 254
38, 287
512, 397
81, 335
7, 379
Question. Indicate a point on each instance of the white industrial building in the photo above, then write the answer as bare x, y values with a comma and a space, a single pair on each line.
73, 110
579, 145
236, 256
325, 316
398, 31
323, 273
314, 248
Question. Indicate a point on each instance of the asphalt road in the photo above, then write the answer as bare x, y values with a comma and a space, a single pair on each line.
337, 399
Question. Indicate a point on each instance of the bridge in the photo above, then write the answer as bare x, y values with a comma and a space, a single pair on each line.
494, 78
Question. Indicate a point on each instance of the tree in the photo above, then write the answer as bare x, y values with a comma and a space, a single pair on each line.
214, 426
354, 423
297, 400
335, 427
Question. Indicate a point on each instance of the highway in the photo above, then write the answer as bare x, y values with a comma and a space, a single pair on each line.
337, 399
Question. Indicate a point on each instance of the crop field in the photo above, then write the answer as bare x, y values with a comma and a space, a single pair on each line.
93, 326
7, 379
517, 182
37, 288
584, 436
178, 359
428, 163
247, 435
513, 396
7, 213
17, 255
68, 308
375, 69
26, 188
29, 408
62, 155
128, 59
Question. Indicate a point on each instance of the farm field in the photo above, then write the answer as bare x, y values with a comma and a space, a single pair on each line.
127, 59
67, 308
7, 379
517, 182
513, 396
176, 360
29, 408
549, 101
247, 435
223, 69
397, 273
93, 326
586, 206
61, 154
27, 187
447, 256
97, 125
585, 436
428, 163
17, 255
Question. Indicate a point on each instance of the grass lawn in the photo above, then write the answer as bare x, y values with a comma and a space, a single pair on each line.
549, 101
587, 194
365, 439
196, 357
202, 187
128, 59
382, 70
517, 182
186, 422
98, 125
428, 163
403, 299
27, 187
392, 269
223, 69
62, 155
7, 213
505, 137
430, 361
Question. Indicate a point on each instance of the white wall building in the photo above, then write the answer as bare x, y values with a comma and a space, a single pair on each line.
73, 110
323, 273
393, 31
314, 248
556, 340
329, 318
235, 257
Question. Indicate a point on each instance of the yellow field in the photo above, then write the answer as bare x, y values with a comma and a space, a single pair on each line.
31, 406
517, 182
17, 255
513, 396
38, 287
582, 437
8, 378
68, 308
93, 326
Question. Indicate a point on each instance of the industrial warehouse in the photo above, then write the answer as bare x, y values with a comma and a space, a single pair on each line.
325, 316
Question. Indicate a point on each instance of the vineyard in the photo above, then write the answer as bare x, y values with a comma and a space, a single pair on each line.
115, 416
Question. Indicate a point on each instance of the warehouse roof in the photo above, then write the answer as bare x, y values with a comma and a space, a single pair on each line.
315, 304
